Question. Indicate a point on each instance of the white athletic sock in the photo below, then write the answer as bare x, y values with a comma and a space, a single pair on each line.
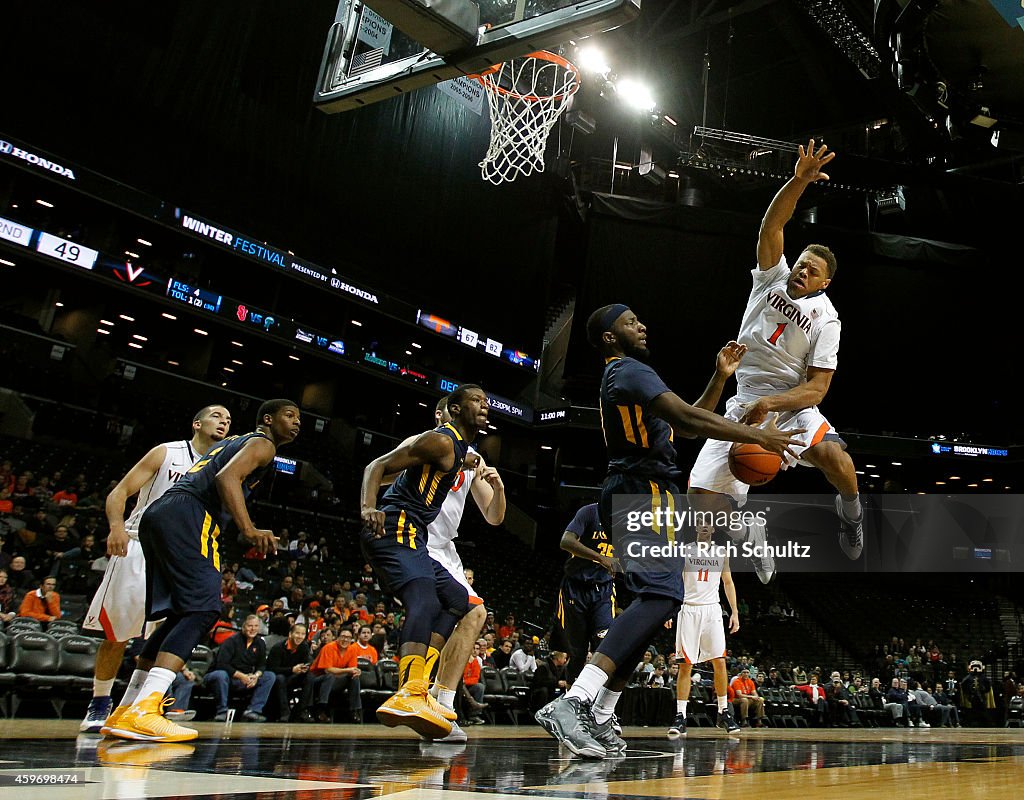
604, 706
852, 508
158, 680
681, 707
723, 703
588, 684
137, 680
446, 697
102, 688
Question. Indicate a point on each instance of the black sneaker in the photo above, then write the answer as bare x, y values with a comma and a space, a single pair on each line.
253, 716
725, 720
570, 721
678, 726
605, 734
851, 534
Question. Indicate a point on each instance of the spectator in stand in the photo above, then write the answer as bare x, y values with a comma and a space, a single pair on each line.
977, 694
284, 589
939, 711
379, 638
858, 687
489, 626
335, 669
263, 612
506, 630
299, 547
7, 611
880, 701
228, 587
346, 591
362, 646
313, 619
362, 611
799, 676
524, 659
898, 694
816, 694
549, 681
503, 655
840, 703
244, 575
743, 695
482, 653
935, 661
240, 666
773, 680
279, 624
943, 697
289, 660
474, 688
224, 628
43, 604
66, 497
366, 582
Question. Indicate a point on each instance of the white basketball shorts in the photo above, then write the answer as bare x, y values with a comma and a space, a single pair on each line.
711, 470
448, 557
119, 606
700, 633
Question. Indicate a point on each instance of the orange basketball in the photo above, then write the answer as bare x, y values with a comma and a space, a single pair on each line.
752, 464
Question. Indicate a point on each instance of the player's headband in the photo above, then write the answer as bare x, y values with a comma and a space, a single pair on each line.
613, 313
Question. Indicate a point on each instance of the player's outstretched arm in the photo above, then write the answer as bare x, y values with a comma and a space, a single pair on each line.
489, 492
427, 448
129, 486
726, 362
689, 421
808, 170
804, 395
255, 454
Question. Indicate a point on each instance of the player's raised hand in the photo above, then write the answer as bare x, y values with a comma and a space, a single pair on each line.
779, 442
809, 164
373, 521
729, 358
263, 540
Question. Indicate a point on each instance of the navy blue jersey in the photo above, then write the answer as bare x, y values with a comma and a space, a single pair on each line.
420, 491
588, 528
638, 443
200, 481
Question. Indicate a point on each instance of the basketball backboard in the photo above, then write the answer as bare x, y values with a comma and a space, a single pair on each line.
397, 46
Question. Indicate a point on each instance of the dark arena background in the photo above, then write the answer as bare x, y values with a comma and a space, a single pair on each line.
181, 226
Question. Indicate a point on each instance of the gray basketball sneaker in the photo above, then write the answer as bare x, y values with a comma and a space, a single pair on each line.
570, 721
605, 734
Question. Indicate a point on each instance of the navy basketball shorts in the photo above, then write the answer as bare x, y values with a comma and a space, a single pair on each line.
642, 575
401, 556
179, 540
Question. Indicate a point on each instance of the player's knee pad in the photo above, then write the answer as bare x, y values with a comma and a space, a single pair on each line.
419, 597
187, 632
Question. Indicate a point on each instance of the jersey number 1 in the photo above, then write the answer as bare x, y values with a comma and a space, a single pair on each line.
778, 332
703, 575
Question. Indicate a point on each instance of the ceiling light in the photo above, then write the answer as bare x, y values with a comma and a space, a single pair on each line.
59, 305
106, 322
44, 203
103, 330
228, 369
423, 404
143, 241
126, 318
140, 338
417, 346
237, 344
130, 254
268, 363
590, 59
357, 323
972, 486
635, 95
874, 476
173, 363
986, 480
236, 361
136, 345
940, 483
408, 352
896, 463
954, 477
7, 263
870, 466
546, 447
293, 358
669, 120
165, 315
200, 331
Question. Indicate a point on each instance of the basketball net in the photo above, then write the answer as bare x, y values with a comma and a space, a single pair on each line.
525, 96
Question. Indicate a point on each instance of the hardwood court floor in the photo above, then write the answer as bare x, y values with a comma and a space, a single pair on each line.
345, 762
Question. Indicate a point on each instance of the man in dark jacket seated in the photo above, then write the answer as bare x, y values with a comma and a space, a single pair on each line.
549, 680
289, 661
241, 665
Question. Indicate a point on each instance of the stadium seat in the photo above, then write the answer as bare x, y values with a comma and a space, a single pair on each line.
7, 678
19, 624
519, 691
273, 638
201, 660
35, 660
496, 693
1015, 713
61, 625
78, 661
388, 672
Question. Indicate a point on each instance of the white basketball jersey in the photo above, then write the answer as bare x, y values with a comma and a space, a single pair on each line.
445, 526
179, 459
784, 336
702, 575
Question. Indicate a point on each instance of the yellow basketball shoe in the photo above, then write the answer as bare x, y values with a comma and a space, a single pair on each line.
115, 715
145, 722
413, 706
